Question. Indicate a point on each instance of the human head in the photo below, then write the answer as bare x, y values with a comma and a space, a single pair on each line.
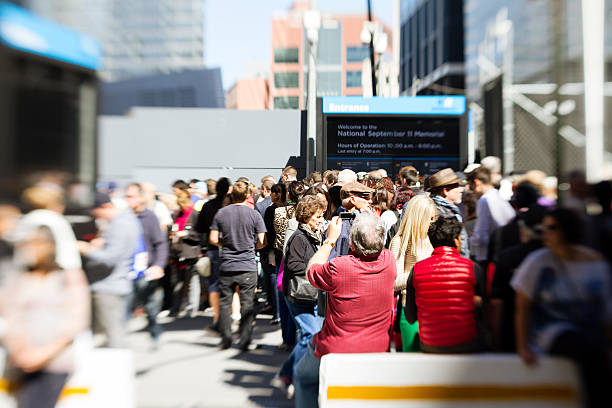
530, 223
211, 185
334, 197
409, 176
561, 227
419, 212
367, 236
289, 174
279, 194
380, 199
315, 177
149, 191
374, 178
318, 190
493, 164
179, 185
223, 186
445, 231
44, 195
470, 199
183, 200
330, 177
346, 176
266, 187
356, 195
200, 189
401, 197
479, 180
310, 211
446, 184
134, 196
103, 207
35, 249
240, 192
296, 190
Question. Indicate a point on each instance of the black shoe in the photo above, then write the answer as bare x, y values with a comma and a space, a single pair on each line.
247, 346
215, 327
225, 344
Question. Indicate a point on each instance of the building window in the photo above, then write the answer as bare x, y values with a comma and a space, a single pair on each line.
286, 102
286, 80
353, 79
283, 55
357, 54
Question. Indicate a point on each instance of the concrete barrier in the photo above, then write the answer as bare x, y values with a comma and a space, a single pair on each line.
102, 378
427, 380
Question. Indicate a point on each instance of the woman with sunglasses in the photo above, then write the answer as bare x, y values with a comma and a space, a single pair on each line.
564, 304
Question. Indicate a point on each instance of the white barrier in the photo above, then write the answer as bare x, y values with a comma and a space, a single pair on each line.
102, 378
428, 380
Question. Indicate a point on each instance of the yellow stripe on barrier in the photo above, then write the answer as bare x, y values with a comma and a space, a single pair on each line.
5, 387
459, 392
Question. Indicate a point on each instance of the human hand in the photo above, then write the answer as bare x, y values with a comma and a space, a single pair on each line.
33, 359
97, 243
334, 229
182, 234
83, 247
154, 272
527, 355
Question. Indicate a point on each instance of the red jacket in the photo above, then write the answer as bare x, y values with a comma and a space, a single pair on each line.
444, 294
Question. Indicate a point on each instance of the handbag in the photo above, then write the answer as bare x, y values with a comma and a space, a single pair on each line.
301, 291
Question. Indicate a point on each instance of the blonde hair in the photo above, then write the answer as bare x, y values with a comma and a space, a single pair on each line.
43, 196
183, 200
415, 223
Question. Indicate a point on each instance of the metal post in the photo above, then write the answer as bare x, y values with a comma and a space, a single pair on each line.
593, 47
395, 80
372, 50
508, 35
312, 22
558, 24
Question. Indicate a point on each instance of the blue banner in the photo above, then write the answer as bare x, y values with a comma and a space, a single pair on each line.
24, 31
404, 105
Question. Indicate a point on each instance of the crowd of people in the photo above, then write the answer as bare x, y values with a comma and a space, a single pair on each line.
344, 262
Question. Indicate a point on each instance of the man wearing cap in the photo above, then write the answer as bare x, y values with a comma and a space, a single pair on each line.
110, 257
446, 192
356, 198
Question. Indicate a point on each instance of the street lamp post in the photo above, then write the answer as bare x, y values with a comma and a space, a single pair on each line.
312, 23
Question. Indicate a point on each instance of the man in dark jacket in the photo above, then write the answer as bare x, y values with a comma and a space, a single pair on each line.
147, 289
447, 324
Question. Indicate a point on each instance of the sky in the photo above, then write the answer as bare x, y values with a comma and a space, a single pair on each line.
237, 32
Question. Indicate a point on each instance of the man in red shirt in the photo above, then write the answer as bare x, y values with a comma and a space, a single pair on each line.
359, 302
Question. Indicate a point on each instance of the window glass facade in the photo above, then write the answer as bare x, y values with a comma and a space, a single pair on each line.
357, 54
286, 55
286, 102
353, 79
286, 80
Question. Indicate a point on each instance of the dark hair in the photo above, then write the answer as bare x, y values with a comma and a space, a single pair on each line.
526, 195
380, 199
315, 177
481, 173
193, 181
469, 199
401, 197
212, 186
568, 223
223, 186
180, 184
334, 196
603, 193
331, 176
410, 174
296, 190
444, 231
280, 189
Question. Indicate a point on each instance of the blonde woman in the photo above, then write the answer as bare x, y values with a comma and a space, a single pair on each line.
409, 246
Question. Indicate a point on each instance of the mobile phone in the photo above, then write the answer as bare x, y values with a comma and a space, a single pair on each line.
347, 215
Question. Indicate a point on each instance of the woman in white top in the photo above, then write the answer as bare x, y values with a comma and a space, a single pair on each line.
409, 246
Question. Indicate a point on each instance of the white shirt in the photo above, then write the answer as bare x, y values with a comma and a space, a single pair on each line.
492, 212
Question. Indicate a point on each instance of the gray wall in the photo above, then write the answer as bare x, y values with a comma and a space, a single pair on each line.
200, 88
161, 145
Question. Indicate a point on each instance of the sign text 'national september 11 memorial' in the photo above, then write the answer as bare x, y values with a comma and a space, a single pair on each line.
370, 133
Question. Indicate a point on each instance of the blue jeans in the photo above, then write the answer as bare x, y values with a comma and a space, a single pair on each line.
308, 324
306, 380
287, 325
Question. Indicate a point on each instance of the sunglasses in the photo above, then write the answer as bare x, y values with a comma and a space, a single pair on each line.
365, 196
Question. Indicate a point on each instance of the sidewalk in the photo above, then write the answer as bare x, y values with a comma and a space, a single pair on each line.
189, 371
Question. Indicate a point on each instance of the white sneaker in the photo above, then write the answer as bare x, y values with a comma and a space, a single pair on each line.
290, 391
236, 317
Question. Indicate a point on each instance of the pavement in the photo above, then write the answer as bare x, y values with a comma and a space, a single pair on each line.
189, 371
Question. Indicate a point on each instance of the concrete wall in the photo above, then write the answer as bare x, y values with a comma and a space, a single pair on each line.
161, 145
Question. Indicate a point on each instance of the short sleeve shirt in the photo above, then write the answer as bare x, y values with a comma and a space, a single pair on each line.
238, 226
565, 295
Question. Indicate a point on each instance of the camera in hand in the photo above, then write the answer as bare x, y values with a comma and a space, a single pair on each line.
346, 215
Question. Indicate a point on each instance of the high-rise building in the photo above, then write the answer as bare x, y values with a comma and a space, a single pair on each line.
249, 94
510, 80
431, 57
340, 57
139, 37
